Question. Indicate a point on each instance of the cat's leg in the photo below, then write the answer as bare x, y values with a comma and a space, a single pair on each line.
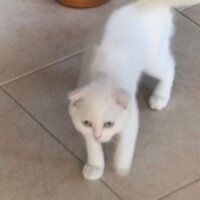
94, 167
126, 145
164, 71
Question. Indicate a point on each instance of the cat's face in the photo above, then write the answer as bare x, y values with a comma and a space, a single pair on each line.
99, 112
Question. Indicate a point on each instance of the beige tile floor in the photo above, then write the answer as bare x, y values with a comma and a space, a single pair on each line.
41, 155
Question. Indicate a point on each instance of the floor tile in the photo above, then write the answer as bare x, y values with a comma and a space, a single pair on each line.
186, 46
44, 94
33, 166
193, 13
168, 150
36, 33
190, 192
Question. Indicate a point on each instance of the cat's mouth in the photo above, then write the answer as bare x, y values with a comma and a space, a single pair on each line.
107, 139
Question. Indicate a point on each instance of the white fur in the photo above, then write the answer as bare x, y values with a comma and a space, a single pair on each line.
136, 39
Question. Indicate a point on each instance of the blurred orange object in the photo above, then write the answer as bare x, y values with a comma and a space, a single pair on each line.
82, 3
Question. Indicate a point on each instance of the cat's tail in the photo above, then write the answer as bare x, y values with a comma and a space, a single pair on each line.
168, 3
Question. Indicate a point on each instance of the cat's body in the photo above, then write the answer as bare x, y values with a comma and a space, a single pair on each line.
136, 39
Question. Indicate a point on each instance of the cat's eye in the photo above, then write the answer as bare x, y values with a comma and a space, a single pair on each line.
108, 124
87, 123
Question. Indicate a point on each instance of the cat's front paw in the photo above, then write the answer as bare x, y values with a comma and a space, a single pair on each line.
157, 102
122, 172
91, 172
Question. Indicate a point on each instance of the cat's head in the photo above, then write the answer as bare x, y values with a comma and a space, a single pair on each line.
99, 110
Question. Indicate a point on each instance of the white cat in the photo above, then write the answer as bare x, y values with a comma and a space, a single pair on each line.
136, 39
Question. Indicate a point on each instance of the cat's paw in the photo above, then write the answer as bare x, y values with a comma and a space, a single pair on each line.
92, 172
122, 171
157, 102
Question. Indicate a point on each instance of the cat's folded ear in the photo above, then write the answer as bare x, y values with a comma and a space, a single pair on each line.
76, 96
122, 98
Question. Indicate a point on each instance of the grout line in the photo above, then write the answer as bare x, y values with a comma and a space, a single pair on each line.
43, 67
55, 138
36, 120
189, 19
103, 182
187, 8
179, 189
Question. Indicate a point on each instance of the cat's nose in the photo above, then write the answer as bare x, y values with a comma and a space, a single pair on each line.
97, 136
